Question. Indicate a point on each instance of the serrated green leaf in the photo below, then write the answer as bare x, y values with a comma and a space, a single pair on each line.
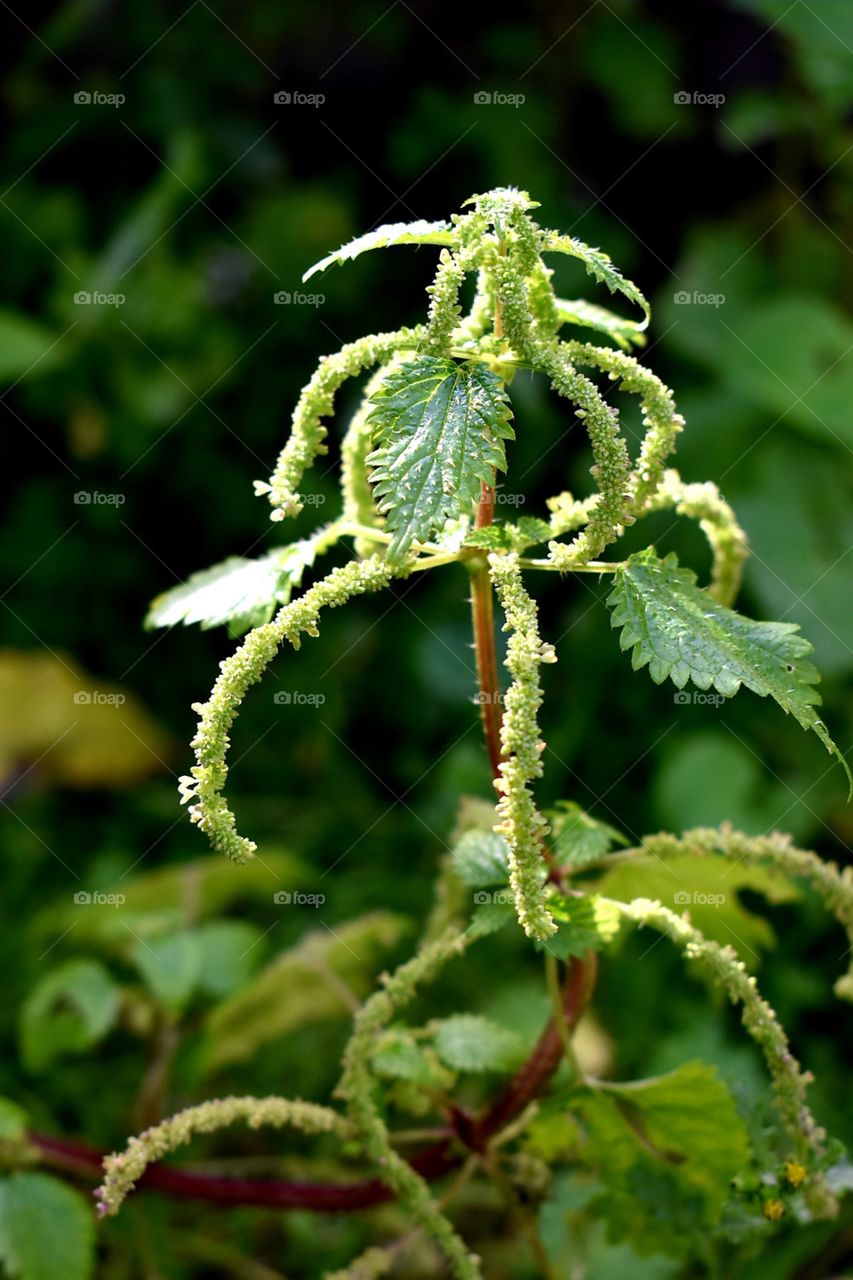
600, 267
481, 858
589, 316
392, 233
467, 1042
69, 1011
528, 531
666, 1150
680, 632
399, 1056
568, 1231
492, 537
238, 592
46, 1229
441, 428
524, 533
584, 924
578, 839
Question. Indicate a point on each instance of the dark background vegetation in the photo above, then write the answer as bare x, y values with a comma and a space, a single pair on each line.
197, 200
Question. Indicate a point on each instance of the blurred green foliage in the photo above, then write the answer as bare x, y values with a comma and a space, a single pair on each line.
133, 431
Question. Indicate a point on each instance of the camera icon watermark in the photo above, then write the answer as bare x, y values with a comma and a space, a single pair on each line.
94, 498
97, 698
94, 98
296, 98
484, 698
284, 298
698, 99
698, 698
698, 299
496, 98
697, 899
284, 898
85, 298
296, 698
83, 898
500, 898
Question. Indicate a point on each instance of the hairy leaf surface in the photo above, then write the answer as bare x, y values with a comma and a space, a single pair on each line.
441, 428
678, 630
658, 1147
383, 237
590, 316
577, 838
599, 266
238, 592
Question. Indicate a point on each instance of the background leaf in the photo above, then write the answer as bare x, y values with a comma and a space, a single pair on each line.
467, 1042
69, 1011
46, 1229
301, 986
170, 965
657, 1147
584, 924
710, 890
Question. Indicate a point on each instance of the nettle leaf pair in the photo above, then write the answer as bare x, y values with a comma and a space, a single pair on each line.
419, 462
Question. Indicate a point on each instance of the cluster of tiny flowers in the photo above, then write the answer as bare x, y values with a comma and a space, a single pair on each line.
498, 240
776, 850
308, 431
522, 825
123, 1170
789, 1080
370, 1265
243, 669
515, 321
356, 1088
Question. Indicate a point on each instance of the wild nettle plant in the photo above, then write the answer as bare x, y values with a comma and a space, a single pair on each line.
420, 462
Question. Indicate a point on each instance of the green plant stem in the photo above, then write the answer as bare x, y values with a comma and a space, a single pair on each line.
591, 566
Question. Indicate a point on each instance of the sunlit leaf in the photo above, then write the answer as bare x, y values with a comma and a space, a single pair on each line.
442, 428
391, 233
679, 631
242, 593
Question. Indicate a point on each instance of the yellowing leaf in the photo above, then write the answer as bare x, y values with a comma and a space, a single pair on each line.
83, 732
